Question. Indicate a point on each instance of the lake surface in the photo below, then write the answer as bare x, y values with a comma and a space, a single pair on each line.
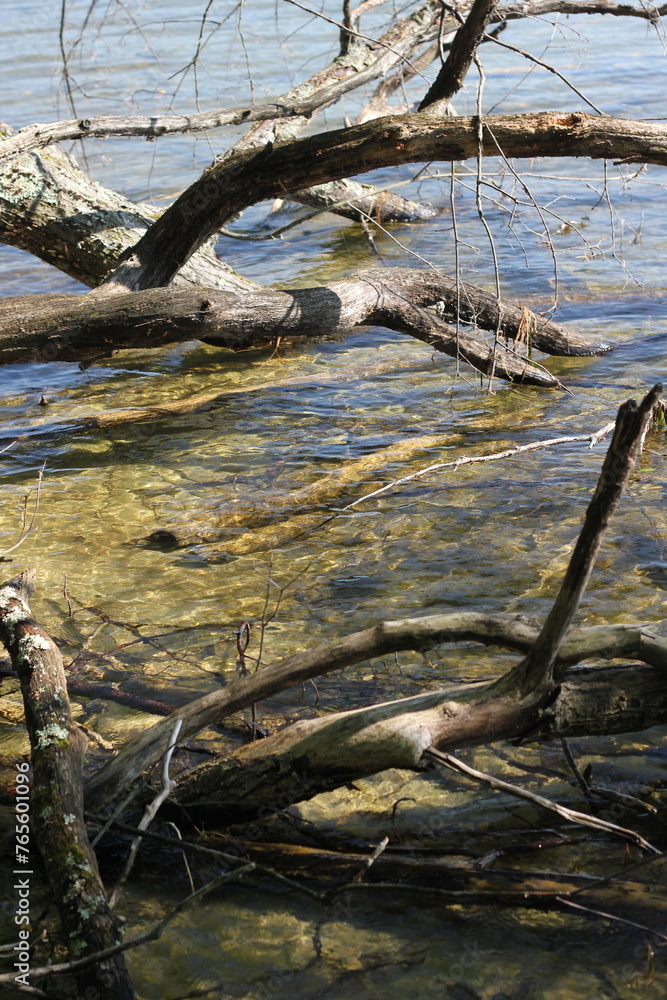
495, 536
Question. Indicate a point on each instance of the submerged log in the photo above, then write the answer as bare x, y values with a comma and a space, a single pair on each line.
301, 503
57, 747
322, 753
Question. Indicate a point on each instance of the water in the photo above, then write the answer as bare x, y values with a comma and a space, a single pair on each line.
494, 536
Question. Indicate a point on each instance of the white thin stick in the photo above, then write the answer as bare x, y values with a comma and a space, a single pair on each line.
167, 786
571, 815
31, 527
520, 449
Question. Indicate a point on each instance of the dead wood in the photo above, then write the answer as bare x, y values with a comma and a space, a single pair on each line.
320, 754
83, 328
203, 403
537, 8
337, 871
610, 699
57, 748
282, 519
362, 63
50, 208
632, 424
276, 170
349, 70
355, 201
452, 74
323, 875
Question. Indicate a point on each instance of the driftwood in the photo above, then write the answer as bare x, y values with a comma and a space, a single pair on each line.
109, 420
250, 177
89, 231
464, 47
529, 701
81, 328
57, 749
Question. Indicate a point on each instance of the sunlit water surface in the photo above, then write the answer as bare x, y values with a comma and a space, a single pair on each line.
495, 536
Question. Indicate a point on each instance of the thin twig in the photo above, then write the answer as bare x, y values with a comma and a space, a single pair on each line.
167, 786
571, 815
592, 439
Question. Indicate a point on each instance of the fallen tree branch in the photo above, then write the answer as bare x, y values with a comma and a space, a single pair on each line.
521, 449
319, 754
632, 424
335, 871
50, 208
202, 403
324, 491
452, 74
249, 177
607, 707
290, 105
347, 72
70, 328
570, 815
57, 748
294, 515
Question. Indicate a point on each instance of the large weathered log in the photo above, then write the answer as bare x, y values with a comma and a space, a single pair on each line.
317, 755
58, 746
417, 634
76, 328
249, 177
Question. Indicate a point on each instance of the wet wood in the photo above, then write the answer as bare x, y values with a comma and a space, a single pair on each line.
452, 883
319, 754
632, 424
301, 503
591, 699
83, 328
57, 749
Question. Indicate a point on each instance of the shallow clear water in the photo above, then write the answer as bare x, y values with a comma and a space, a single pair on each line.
494, 536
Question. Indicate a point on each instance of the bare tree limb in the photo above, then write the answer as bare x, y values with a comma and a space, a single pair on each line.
57, 749
67, 328
570, 815
451, 76
632, 424
275, 171
419, 634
